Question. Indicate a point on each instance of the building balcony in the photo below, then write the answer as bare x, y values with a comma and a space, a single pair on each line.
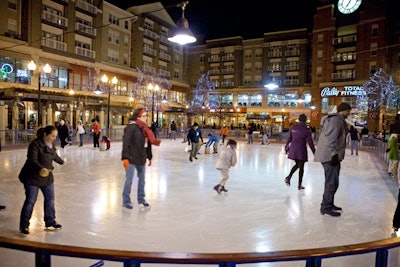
292, 67
85, 30
214, 72
85, 7
275, 54
292, 53
291, 82
164, 56
54, 20
149, 69
85, 52
149, 51
345, 41
150, 34
61, 2
228, 58
214, 59
54, 44
343, 76
228, 71
165, 73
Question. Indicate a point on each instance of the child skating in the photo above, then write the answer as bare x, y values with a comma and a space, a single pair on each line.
226, 160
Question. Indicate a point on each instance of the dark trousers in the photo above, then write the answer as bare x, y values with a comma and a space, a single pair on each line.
96, 138
299, 165
331, 185
396, 217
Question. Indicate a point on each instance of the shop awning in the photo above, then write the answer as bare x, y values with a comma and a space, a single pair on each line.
55, 63
8, 53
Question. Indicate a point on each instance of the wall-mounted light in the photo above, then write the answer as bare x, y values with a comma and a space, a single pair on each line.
182, 34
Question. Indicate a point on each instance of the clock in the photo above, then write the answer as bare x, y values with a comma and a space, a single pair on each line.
348, 6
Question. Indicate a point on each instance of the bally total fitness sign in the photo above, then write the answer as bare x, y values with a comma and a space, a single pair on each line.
345, 91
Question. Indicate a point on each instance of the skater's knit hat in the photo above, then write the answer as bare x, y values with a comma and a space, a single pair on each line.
343, 106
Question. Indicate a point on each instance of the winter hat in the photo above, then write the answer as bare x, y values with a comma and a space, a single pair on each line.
343, 106
137, 113
195, 124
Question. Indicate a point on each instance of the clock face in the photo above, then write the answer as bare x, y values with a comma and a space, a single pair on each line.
348, 6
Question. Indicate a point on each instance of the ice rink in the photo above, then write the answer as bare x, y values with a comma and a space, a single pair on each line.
258, 214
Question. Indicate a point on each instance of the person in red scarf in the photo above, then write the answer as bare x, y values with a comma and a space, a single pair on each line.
136, 149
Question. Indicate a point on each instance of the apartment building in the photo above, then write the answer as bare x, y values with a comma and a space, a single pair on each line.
92, 47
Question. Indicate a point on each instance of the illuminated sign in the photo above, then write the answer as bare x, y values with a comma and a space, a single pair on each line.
7, 68
345, 91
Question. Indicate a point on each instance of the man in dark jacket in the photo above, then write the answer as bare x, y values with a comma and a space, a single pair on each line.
136, 148
62, 133
194, 135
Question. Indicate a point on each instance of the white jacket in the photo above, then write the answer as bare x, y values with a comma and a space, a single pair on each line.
227, 158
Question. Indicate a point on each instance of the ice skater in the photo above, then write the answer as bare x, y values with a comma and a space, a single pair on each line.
227, 160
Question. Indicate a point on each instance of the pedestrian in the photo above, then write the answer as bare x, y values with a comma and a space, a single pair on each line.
396, 216
296, 147
213, 140
194, 136
330, 152
62, 133
264, 135
224, 133
80, 129
173, 130
354, 139
70, 133
96, 134
136, 149
37, 174
227, 159
393, 150
250, 134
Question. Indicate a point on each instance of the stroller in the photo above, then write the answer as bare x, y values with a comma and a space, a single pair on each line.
105, 143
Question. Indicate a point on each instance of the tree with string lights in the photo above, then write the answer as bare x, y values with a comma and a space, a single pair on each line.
381, 97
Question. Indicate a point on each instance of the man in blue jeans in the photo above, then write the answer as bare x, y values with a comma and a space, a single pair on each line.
136, 149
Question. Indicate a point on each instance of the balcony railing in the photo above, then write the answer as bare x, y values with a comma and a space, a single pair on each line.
54, 19
82, 28
54, 44
85, 52
86, 6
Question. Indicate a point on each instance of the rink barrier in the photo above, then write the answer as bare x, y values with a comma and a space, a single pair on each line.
312, 257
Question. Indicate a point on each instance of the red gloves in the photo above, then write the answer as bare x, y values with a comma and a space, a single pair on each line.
125, 163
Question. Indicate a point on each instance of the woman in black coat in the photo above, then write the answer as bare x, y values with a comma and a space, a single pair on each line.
37, 174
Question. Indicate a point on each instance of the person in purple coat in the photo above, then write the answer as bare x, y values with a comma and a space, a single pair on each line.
296, 147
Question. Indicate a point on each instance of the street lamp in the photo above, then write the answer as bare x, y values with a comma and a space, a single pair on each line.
182, 34
153, 90
114, 82
46, 69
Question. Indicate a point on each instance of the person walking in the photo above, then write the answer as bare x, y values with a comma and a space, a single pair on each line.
136, 149
224, 133
193, 136
354, 139
80, 129
213, 140
330, 152
296, 146
37, 174
96, 134
62, 133
250, 131
227, 159
393, 157
173, 130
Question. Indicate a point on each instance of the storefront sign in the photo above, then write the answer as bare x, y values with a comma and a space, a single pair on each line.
345, 91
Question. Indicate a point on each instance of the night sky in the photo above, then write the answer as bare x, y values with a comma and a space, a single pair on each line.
221, 18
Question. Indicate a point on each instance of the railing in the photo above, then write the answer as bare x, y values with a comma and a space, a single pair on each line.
312, 257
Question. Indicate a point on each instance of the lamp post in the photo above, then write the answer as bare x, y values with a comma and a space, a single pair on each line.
46, 69
104, 80
153, 89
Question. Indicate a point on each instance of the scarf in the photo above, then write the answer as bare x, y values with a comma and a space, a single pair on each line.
148, 133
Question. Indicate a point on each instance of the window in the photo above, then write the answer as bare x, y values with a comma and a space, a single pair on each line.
320, 39
256, 100
126, 59
247, 53
243, 100
247, 67
12, 4
112, 55
202, 58
126, 25
372, 67
319, 72
320, 55
126, 40
375, 30
258, 52
257, 66
113, 37
12, 26
373, 48
113, 19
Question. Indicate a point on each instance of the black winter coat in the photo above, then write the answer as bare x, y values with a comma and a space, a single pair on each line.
133, 148
39, 156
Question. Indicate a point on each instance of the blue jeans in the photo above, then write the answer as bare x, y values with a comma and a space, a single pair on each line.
126, 199
31, 193
81, 139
